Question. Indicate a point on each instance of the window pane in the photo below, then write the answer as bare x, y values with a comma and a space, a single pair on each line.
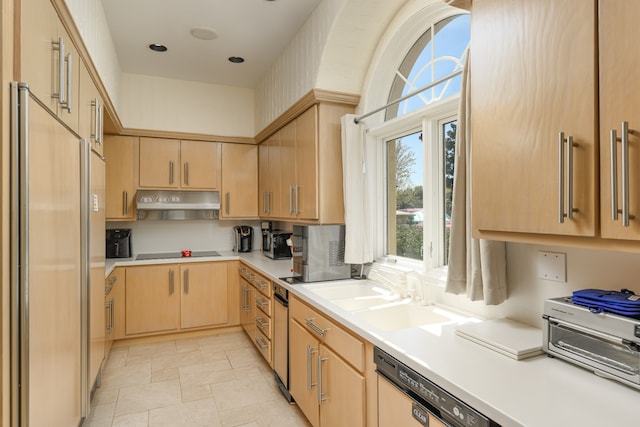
437, 53
404, 196
449, 144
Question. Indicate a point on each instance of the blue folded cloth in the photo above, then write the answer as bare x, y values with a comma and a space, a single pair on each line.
623, 302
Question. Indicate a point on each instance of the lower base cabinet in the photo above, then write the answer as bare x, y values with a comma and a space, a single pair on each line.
255, 310
396, 409
326, 387
167, 298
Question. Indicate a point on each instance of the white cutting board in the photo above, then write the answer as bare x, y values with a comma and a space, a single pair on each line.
506, 336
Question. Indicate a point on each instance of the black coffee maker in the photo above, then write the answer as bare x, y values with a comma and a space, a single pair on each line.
118, 243
243, 238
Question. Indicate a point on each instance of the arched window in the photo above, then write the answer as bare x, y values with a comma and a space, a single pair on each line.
418, 136
438, 52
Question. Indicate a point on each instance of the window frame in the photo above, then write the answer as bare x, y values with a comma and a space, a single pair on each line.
428, 120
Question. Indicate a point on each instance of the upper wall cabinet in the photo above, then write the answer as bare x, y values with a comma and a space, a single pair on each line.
49, 61
171, 163
534, 116
239, 181
269, 177
306, 184
91, 112
620, 113
119, 152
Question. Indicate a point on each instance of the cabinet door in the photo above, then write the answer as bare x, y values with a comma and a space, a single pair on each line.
306, 190
239, 181
619, 102
396, 409
200, 165
342, 389
533, 76
159, 163
269, 179
38, 53
118, 152
303, 373
90, 111
152, 299
69, 111
204, 294
288, 170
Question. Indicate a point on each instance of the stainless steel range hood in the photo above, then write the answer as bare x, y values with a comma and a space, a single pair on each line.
177, 205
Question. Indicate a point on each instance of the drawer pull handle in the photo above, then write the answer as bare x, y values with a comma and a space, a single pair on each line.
310, 352
315, 328
321, 396
262, 303
262, 345
261, 323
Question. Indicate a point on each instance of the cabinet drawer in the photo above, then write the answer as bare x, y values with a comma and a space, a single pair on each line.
263, 324
263, 344
263, 303
329, 332
262, 284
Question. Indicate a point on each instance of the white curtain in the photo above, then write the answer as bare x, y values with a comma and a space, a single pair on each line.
477, 267
357, 196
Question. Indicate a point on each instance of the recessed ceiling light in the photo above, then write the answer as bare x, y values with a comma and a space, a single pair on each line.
236, 59
204, 33
156, 47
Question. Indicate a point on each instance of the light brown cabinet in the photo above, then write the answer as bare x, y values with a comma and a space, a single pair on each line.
167, 298
90, 111
171, 163
327, 377
203, 301
152, 299
49, 61
533, 97
121, 187
308, 167
269, 166
396, 409
239, 181
618, 89
256, 296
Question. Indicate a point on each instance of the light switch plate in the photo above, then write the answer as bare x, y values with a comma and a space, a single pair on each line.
552, 266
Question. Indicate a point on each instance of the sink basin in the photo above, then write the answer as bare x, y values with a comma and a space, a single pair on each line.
346, 290
356, 304
403, 316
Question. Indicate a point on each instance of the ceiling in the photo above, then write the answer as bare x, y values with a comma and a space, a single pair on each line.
256, 30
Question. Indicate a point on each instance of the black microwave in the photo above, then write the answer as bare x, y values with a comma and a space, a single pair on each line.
275, 244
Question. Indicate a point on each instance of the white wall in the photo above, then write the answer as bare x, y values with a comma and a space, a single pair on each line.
586, 268
183, 106
92, 23
174, 236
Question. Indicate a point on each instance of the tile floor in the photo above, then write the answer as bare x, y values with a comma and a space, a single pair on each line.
217, 380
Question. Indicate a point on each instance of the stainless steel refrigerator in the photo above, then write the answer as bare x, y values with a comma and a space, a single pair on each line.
49, 277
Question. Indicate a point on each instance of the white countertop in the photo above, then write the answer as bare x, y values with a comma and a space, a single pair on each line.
539, 391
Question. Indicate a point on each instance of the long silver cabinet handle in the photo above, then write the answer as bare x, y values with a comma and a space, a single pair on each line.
310, 352
297, 191
569, 178
321, 396
613, 141
59, 46
171, 172
170, 282
185, 278
315, 328
125, 203
227, 197
291, 199
261, 344
186, 173
68, 104
624, 175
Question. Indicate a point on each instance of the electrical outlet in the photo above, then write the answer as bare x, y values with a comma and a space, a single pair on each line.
552, 266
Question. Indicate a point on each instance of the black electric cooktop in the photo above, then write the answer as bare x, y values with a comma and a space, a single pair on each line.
170, 255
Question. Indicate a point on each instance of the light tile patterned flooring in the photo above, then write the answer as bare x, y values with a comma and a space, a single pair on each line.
217, 380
